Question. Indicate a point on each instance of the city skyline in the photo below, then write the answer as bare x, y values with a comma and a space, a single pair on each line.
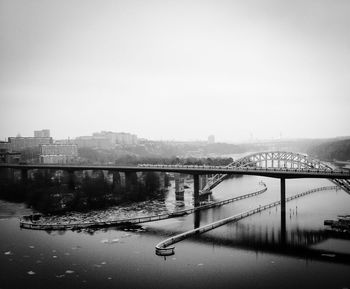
209, 139
176, 70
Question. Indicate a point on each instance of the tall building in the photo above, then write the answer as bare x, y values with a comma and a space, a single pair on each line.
42, 133
211, 139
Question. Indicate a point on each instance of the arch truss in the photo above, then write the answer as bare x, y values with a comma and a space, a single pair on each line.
278, 160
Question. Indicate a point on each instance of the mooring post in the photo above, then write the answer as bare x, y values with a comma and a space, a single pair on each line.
196, 189
283, 210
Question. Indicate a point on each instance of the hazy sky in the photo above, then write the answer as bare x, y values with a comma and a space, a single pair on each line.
175, 69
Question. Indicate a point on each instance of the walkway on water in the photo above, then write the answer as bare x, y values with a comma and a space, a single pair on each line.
28, 222
163, 248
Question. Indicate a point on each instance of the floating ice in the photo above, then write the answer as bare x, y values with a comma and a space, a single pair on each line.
69, 271
8, 253
104, 241
31, 273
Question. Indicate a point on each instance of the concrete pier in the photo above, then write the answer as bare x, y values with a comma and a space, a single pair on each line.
196, 190
283, 210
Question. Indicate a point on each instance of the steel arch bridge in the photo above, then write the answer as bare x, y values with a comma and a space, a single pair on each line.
278, 160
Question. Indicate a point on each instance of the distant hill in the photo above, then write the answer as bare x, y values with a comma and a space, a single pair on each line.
332, 150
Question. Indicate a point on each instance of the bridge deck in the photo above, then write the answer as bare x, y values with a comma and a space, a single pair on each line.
200, 170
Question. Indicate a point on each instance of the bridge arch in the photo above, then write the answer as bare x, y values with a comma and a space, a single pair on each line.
279, 160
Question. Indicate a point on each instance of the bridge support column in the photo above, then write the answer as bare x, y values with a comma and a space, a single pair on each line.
24, 176
203, 179
179, 183
283, 210
197, 219
131, 184
180, 196
196, 189
116, 181
161, 177
71, 183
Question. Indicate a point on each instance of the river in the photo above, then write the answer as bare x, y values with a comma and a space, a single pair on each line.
246, 254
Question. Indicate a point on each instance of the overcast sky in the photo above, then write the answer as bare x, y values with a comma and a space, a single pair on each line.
175, 69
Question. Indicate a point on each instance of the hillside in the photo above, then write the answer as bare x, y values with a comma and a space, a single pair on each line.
333, 150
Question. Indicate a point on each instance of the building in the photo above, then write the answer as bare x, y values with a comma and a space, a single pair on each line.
126, 138
118, 137
55, 159
10, 158
20, 143
211, 139
58, 153
42, 133
106, 140
4, 146
94, 142
59, 149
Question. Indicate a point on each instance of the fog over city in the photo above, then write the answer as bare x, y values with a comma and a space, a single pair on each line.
175, 69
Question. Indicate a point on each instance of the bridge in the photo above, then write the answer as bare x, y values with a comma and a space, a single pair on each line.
275, 164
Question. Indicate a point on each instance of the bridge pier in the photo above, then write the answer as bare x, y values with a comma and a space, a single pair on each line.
283, 210
116, 180
24, 176
196, 184
197, 219
179, 183
203, 180
180, 196
131, 184
196, 189
71, 183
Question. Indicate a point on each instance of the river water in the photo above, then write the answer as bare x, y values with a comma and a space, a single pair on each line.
246, 254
